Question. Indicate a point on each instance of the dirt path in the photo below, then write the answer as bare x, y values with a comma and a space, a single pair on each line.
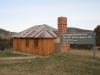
18, 58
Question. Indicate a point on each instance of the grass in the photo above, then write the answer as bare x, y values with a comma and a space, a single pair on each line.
8, 53
73, 63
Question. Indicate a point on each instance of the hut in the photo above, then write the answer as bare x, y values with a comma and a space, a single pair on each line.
41, 39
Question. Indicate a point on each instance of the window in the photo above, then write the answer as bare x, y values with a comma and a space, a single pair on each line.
27, 42
36, 43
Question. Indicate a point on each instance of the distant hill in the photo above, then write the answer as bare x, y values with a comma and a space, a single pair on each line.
4, 34
75, 30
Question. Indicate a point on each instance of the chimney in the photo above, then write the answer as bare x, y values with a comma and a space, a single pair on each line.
62, 25
62, 29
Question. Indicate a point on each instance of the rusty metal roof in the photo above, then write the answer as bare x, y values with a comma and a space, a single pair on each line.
38, 31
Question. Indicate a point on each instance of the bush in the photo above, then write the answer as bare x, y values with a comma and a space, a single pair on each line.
81, 46
98, 48
5, 44
2, 46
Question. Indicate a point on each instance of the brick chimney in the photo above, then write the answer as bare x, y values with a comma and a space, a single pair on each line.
62, 29
62, 25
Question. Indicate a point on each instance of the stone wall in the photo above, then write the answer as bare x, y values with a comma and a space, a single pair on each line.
56, 47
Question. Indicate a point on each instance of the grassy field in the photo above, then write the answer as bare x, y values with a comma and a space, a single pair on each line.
76, 62
10, 53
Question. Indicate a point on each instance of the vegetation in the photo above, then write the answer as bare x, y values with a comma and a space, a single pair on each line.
9, 53
82, 46
97, 31
5, 44
73, 63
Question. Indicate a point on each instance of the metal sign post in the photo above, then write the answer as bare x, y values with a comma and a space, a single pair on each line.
60, 49
60, 44
94, 45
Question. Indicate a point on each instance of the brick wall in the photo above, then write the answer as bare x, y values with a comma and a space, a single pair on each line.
65, 47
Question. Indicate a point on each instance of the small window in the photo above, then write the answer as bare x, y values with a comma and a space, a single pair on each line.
27, 42
36, 43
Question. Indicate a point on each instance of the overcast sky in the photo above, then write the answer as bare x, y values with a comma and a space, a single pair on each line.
18, 15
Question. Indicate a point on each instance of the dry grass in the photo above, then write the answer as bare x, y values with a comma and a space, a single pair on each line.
10, 53
86, 52
75, 62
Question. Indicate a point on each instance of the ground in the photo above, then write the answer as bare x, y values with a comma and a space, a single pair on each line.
76, 62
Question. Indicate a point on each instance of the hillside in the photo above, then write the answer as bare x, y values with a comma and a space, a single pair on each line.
4, 34
75, 30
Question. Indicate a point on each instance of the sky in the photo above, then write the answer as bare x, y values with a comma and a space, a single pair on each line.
18, 15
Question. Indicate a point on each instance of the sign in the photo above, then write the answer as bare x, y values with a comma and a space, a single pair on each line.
77, 38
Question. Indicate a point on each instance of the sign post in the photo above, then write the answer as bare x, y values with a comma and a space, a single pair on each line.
78, 38
94, 45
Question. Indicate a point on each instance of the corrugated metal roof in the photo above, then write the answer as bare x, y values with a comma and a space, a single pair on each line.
38, 31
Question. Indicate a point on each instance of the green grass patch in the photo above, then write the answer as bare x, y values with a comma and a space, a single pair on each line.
8, 53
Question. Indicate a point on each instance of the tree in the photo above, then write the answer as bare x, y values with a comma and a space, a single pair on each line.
5, 44
2, 46
97, 31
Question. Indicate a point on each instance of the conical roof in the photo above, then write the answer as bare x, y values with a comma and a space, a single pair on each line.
38, 31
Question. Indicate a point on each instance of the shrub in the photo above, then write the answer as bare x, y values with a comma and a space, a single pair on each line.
98, 48
5, 44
